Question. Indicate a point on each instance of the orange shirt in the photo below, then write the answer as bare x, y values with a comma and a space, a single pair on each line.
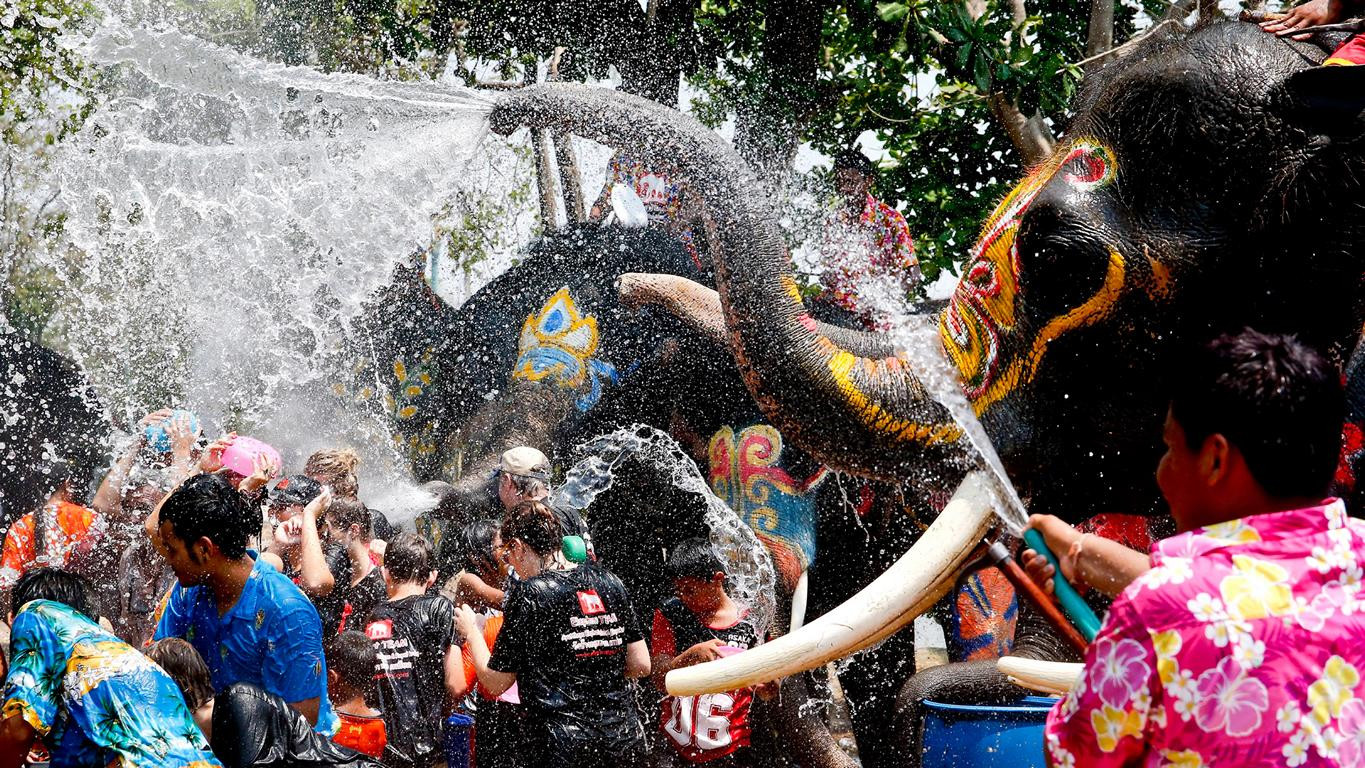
77, 527
361, 733
490, 636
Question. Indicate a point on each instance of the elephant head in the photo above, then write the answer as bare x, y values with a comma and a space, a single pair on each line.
1177, 207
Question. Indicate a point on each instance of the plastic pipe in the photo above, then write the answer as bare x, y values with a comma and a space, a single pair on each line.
1075, 608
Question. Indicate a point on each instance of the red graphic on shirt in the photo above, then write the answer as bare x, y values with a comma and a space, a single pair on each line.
380, 630
590, 603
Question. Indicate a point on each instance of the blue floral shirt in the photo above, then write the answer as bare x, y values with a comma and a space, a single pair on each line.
272, 638
94, 699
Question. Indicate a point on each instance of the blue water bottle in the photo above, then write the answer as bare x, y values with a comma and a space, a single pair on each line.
459, 740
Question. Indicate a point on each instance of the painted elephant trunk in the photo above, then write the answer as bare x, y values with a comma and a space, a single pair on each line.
867, 414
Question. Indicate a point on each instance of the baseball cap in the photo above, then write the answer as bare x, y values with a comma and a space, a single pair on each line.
526, 462
298, 489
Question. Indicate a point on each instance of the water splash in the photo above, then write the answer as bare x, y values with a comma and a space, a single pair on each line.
751, 578
227, 218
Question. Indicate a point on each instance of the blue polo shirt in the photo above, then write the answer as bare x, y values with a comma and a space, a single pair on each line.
272, 638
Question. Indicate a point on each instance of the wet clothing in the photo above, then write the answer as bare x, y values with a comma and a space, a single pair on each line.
411, 637
565, 635
702, 728
1349, 53
255, 729
359, 599
362, 733
95, 700
69, 528
331, 606
876, 245
1241, 646
271, 638
143, 580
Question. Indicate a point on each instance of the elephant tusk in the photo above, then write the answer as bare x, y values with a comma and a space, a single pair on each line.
1056, 677
907, 589
799, 601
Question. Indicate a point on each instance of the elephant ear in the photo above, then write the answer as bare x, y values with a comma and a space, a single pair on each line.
1327, 100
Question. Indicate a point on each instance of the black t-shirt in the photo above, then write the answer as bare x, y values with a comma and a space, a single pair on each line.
331, 606
360, 599
565, 635
411, 637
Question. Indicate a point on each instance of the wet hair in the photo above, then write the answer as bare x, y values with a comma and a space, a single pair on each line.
207, 506
335, 468
535, 524
1277, 400
408, 557
527, 485
352, 656
186, 667
346, 512
694, 559
57, 585
380, 527
471, 548
854, 160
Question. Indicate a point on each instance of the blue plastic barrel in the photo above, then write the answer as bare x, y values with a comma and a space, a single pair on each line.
459, 739
973, 736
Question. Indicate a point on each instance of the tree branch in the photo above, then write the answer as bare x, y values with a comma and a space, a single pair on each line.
1100, 35
1030, 135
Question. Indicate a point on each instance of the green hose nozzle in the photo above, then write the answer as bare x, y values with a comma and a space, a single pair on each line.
1084, 619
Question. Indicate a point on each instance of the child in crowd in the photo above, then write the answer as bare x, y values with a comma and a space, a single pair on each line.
359, 581
706, 623
350, 679
419, 674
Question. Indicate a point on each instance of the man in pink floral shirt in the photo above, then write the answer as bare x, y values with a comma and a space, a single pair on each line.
1244, 643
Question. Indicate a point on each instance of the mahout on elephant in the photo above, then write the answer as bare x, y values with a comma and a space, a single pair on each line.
1203, 185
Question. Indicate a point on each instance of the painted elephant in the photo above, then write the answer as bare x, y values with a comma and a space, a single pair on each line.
553, 353
1208, 182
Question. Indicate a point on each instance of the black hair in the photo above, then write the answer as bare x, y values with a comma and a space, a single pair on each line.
352, 656
1277, 400
472, 547
186, 667
380, 527
408, 557
855, 160
57, 585
345, 512
208, 506
535, 524
694, 559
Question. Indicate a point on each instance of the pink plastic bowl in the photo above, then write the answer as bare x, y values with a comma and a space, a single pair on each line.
239, 456
728, 650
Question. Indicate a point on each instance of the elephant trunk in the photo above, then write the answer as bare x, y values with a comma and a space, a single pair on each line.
867, 414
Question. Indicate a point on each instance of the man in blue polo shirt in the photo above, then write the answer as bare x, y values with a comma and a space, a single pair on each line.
249, 621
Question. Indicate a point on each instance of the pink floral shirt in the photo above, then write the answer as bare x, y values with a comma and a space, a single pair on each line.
1243, 646
879, 244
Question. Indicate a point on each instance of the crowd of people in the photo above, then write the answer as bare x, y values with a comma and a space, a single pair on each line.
205, 609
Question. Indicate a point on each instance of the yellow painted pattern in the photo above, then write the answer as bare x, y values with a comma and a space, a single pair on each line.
841, 366
1094, 309
558, 333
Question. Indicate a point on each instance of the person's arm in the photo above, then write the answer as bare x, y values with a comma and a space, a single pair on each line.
456, 687
637, 660
599, 209
211, 460
309, 709
494, 681
16, 738
263, 470
108, 498
293, 668
183, 435
1086, 559
472, 588
315, 578
1309, 14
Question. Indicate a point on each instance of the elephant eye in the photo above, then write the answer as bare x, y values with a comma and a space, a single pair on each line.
1089, 165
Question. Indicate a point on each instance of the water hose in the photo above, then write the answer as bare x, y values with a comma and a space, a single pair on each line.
1000, 557
1075, 608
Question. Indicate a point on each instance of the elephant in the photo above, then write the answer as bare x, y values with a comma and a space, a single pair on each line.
1207, 182
555, 352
